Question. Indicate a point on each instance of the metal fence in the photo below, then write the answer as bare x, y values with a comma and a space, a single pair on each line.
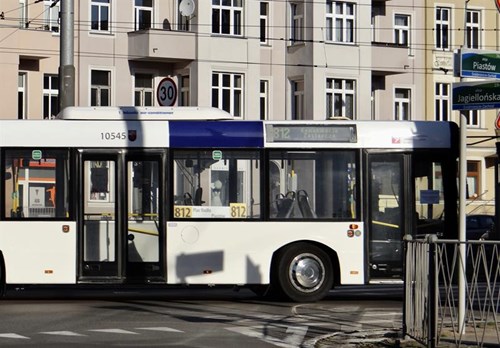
452, 292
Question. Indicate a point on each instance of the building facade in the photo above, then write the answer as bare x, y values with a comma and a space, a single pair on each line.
451, 26
293, 59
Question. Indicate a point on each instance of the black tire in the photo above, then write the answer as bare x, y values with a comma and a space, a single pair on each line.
304, 273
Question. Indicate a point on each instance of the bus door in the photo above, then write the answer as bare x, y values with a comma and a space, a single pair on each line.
386, 211
121, 230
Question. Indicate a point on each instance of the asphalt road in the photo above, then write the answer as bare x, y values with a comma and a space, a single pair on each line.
189, 317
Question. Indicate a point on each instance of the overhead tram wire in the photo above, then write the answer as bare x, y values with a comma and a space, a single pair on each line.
28, 22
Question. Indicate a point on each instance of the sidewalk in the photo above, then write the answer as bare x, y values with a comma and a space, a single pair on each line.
390, 338
366, 339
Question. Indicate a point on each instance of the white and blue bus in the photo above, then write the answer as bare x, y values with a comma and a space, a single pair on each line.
190, 196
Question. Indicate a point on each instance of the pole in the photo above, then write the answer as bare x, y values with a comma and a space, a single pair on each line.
66, 66
462, 197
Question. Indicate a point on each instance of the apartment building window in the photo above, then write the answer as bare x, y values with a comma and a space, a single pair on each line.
21, 96
472, 25
442, 102
50, 96
296, 22
227, 92
184, 90
100, 89
23, 15
99, 12
297, 87
51, 15
442, 28
143, 14
473, 175
264, 99
183, 21
264, 23
143, 90
340, 98
402, 30
472, 117
340, 21
227, 17
402, 104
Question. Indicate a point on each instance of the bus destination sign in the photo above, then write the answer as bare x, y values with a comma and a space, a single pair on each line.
284, 133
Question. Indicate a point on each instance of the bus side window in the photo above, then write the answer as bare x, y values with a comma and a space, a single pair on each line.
36, 182
324, 182
230, 180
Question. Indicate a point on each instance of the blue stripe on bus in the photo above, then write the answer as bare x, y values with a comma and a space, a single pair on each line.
199, 134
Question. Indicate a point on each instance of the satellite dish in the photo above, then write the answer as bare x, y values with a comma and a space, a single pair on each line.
186, 7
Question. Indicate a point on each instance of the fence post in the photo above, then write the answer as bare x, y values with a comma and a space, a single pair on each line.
407, 239
432, 292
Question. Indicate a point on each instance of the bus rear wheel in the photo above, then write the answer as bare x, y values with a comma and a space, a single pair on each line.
304, 273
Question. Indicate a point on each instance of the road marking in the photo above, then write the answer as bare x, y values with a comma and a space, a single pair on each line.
13, 335
118, 331
292, 341
165, 329
297, 334
62, 333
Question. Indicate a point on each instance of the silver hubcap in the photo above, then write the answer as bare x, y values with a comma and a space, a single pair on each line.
307, 272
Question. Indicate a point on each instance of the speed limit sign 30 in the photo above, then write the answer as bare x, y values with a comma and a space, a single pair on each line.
166, 92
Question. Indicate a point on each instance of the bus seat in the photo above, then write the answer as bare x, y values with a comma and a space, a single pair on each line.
286, 206
305, 205
279, 199
188, 199
198, 196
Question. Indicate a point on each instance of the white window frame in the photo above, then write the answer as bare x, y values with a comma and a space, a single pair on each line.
23, 14
51, 92
402, 33
402, 105
474, 178
346, 91
442, 101
264, 99
233, 90
264, 23
439, 42
100, 7
137, 10
234, 10
473, 29
473, 118
184, 90
144, 90
51, 16
340, 25
21, 95
100, 88
296, 22
297, 89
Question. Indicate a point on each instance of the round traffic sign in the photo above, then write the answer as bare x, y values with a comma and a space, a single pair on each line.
166, 92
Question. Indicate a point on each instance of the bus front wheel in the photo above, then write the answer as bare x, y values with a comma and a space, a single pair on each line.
304, 273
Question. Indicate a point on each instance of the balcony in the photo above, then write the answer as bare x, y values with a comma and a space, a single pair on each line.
389, 58
162, 45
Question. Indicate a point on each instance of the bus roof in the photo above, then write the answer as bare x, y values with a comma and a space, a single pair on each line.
143, 113
228, 134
